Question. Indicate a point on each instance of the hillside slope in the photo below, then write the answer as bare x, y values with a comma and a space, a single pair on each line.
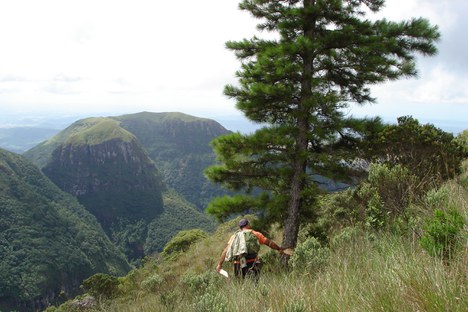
48, 241
180, 145
109, 172
107, 168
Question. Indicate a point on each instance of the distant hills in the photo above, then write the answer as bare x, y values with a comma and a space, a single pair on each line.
131, 171
180, 146
20, 139
48, 242
111, 190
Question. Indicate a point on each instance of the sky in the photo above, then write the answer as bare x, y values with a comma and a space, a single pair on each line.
100, 57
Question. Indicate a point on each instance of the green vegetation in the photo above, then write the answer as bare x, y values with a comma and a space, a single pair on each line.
365, 251
358, 269
180, 146
101, 285
182, 242
430, 153
48, 241
106, 164
325, 55
99, 130
178, 215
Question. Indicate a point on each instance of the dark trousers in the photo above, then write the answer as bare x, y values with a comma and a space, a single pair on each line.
251, 270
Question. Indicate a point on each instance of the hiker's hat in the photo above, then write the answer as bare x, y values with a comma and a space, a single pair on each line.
243, 222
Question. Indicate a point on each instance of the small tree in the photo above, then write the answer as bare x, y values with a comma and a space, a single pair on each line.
325, 55
182, 241
428, 152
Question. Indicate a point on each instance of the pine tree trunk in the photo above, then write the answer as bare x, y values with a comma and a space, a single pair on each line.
292, 222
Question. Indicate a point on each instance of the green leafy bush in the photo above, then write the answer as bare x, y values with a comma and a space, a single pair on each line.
211, 301
101, 285
198, 282
152, 283
182, 241
309, 256
442, 233
428, 152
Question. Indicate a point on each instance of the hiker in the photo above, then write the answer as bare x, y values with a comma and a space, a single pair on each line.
242, 249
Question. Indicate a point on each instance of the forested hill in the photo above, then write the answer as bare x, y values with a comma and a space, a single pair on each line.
48, 242
180, 146
178, 143
110, 172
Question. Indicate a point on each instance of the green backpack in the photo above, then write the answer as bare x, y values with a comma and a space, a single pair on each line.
253, 246
236, 249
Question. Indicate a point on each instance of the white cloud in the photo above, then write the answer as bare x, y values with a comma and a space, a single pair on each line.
442, 87
127, 56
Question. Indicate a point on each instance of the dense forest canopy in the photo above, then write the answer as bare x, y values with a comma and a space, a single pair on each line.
48, 241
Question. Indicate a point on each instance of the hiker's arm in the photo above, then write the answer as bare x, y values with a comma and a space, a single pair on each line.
221, 261
273, 245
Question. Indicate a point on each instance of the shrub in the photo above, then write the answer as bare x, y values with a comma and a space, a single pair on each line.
442, 233
101, 285
198, 282
309, 256
182, 242
152, 283
428, 152
211, 301
395, 186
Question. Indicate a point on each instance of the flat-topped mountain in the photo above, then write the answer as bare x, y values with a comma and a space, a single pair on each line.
108, 170
179, 144
105, 164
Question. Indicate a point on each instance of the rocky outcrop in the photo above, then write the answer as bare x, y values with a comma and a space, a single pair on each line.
113, 179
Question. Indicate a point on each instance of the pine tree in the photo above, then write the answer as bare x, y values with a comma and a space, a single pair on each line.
325, 55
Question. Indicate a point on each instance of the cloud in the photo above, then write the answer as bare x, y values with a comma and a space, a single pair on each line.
11, 78
442, 86
126, 56
66, 79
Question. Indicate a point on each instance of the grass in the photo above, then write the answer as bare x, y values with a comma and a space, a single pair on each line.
98, 131
382, 272
365, 271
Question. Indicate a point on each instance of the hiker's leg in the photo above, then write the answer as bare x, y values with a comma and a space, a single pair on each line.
238, 272
253, 271
256, 269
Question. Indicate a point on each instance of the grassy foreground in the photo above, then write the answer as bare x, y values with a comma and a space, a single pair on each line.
364, 272
359, 270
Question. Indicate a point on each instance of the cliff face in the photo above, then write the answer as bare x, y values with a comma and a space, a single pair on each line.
108, 170
113, 179
115, 167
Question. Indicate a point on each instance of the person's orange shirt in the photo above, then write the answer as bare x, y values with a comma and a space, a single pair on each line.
261, 238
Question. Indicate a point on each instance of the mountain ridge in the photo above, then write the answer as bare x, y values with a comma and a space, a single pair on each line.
105, 162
